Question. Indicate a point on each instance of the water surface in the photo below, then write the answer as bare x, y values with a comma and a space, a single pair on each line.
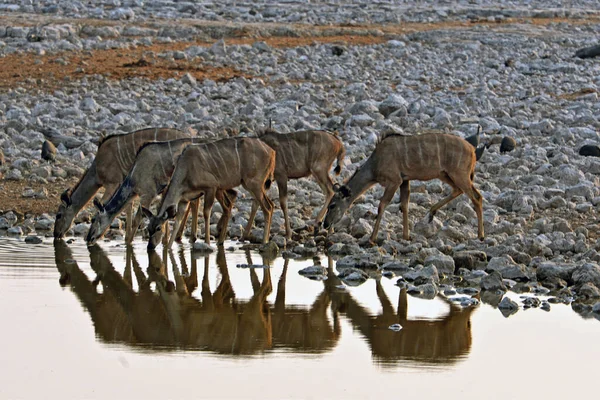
112, 322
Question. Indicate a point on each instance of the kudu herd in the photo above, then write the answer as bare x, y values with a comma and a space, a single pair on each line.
150, 162
155, 310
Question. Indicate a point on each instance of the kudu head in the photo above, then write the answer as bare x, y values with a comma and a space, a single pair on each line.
100, 224
156, 224
340, 202
64, 216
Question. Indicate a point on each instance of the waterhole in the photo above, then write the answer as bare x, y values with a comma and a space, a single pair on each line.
111, 321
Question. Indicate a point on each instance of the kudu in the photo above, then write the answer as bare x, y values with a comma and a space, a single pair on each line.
206, 168
148, 177
115, 155
398, 159
301, 154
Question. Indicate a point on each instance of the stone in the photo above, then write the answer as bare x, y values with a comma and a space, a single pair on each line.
33, 240
469, 259
316, 272
506, 266
550, 270
588, 272
443, 263
588, 291
508, 306
493, 282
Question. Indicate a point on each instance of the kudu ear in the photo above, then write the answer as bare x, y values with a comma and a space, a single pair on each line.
345, 191
98, 205
65, 198
147, 212
171, 211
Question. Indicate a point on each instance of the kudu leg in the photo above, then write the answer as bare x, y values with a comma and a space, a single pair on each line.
388, 195
456, 191
404, 205
283, 194
184, 219
326, 185
137, 219
209, 200
195, 204
466, 185
250, 220
181, 210
227, 201
128, 219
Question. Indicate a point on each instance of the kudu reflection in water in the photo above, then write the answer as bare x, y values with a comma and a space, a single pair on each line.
299, 328
168, 317
444, 340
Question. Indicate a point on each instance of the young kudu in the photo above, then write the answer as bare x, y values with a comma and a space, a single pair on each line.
399, 159
115, 155
206, 168
301, 154
147, 178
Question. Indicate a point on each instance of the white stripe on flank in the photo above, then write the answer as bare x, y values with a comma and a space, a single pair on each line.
237, 153
439, 151
119, 160
224, 163
406, 154
133, 150
460, 153
420, 152
162, 165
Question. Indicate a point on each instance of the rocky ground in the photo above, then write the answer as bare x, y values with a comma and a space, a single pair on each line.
71, 72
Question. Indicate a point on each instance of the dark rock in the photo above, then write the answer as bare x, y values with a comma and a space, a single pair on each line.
588, 52
551, 271
316, 272
589, 150
507, 144
492, 298
587, 290
48, 151
353, 276
508, 307
493, 282
588, 272
337, 50
33, 240
531, 302
469, 259
506, 266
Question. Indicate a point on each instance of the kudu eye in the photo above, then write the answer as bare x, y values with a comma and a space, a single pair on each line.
331, 206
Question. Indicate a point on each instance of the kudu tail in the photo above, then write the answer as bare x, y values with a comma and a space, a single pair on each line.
340, 159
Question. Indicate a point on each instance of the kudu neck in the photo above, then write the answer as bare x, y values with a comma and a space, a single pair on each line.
86, 188
362, 180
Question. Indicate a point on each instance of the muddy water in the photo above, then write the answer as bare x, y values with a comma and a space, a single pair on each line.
106, 322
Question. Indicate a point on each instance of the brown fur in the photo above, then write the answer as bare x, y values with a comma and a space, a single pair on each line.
115, 155
223, 164
301, 154
399, 159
